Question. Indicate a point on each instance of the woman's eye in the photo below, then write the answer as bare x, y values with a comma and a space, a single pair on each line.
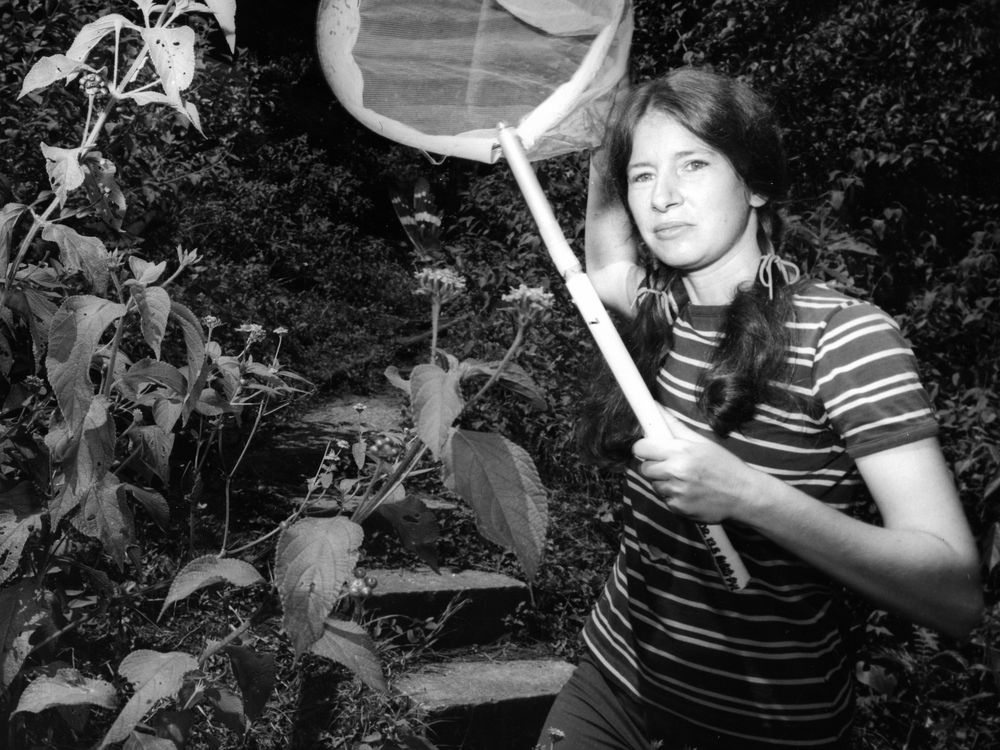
640, 177
694, 165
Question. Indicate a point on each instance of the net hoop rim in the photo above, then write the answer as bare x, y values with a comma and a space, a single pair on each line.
337, 25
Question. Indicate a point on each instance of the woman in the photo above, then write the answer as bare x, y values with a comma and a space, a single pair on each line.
790, 404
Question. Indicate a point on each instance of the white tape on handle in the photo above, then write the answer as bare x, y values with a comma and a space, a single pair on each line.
647, 411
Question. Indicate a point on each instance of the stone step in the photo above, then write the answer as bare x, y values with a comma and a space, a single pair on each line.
294, 450
476, 602
485, 705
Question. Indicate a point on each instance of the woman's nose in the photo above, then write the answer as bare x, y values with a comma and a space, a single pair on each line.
664, 195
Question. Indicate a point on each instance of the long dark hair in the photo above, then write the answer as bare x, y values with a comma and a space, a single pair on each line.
750, 357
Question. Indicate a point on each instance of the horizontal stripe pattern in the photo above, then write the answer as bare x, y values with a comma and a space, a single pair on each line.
766, 664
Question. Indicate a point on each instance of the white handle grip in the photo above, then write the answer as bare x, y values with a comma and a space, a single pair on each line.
612, 348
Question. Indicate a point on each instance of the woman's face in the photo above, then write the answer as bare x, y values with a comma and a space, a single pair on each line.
692, 209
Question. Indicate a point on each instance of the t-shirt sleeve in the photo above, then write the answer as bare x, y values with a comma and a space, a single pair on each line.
865, 375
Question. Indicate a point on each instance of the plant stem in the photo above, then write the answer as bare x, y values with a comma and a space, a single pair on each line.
232, 472
507, 357
435, 317
414, 452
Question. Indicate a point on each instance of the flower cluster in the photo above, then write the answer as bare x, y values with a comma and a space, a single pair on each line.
254, 332
529, 304
93, 84
443, 284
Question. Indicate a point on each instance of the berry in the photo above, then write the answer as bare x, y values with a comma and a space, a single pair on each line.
360, 572
371, 581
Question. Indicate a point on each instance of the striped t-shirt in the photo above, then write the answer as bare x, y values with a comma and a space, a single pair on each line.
768, 663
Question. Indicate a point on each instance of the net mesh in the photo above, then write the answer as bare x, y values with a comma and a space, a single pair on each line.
457, 68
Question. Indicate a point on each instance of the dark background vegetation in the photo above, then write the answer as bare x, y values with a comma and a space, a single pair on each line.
890, 109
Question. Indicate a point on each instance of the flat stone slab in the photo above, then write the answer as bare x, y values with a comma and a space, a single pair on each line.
382, 412
294, 451
486, 705
479, 601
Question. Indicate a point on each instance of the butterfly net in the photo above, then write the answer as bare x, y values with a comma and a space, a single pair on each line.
439, 75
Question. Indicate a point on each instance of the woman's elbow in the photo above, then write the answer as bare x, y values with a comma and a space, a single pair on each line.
964, 612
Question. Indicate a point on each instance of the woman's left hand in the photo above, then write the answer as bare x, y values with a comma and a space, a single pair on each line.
696, 477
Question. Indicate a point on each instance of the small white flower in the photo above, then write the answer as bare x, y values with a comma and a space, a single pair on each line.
280, 331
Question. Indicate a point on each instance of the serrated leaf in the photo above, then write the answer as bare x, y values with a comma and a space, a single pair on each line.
20, 514
154, 372
68, 687
194, 344
105, 515
256, 675
206, 571
225, 14
228, 708
154, 310
80, 253
64, 169
20, 616
37, 311
90, 35
315, 558
154, 446
499, 480
145, 272
9, 216
154, 503
513, 377
437, 402
172, 51
47, 71
155, 677
74, 333
347, 643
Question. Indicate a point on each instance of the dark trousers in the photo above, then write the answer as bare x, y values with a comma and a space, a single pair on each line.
590, 714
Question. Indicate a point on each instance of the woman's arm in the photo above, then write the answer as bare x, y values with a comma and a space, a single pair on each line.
612, 257
922, 563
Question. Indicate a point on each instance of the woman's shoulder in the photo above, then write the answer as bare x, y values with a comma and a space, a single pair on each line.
823, 313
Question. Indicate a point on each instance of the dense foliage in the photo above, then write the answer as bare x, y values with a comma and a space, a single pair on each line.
890, 110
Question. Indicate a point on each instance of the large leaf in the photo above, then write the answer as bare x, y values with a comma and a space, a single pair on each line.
154, 446
154, 309
225, 13
347, 643
47, 71
20, 615
437, 402
105, 515
315, 558
37, 310
194, 344
155, 504
206, 571
9, 215
67, 687
20, 514
74, 333
80, 253
499, 480
155, 677
256, 674
84, 456
513, 377
90, 35
172, 51
65, 171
